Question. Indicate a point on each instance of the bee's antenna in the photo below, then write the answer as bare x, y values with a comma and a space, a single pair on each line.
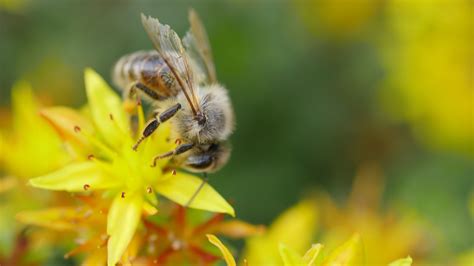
204, 181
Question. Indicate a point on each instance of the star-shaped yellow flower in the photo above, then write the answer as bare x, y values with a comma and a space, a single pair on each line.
102, 141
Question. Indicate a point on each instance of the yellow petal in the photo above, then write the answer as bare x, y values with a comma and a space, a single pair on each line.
54, 218
32, 138
75, 178
229, 259
239, 229
310, 258
349, 253
289, 256
95, 257
181, 187
106, 109
122, 221
295, 228
68, 123
402, 262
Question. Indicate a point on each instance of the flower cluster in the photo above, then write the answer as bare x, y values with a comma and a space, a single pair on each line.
100, 140
115, 211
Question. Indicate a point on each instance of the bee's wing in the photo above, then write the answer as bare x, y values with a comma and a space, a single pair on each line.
169, 46
198, 48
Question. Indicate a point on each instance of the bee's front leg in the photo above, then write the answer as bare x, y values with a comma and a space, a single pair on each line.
156, 121
180, 149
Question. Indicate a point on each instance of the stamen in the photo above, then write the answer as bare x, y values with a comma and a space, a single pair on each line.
77, 129
149, 190
90, 157
86, 186
123, 195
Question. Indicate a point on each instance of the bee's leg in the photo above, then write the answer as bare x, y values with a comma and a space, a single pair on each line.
131, 93
180, 149
155, 122
204, 181
149, 92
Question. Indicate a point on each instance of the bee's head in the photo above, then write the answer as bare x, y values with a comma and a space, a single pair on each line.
208, 157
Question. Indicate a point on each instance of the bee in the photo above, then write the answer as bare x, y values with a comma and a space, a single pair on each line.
179, 78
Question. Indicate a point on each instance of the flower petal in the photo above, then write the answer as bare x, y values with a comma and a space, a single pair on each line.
229, 259
289, 256
75, 178
349, 253
402, 262
54, 218
122, 221
311, 256
296, 226
106, 108
67, 123
238, 229
181, 187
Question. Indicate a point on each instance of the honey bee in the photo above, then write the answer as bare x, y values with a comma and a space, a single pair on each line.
179, 77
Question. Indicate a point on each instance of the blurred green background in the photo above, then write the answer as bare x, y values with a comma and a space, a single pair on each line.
319, 88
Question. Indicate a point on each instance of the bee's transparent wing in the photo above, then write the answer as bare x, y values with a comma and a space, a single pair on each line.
198, 48
168, 44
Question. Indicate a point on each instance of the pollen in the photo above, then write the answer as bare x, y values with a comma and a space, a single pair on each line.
86, 186
123, 195
149, 190
90, 157
173, 172
111, 117
77, 129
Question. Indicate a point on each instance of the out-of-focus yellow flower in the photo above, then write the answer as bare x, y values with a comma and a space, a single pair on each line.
429, 56
310, 258
402, 262
25, 143
386, 236
338, 18
350, 253
14, 6
467, 258
295, 228
30, 139
106, 161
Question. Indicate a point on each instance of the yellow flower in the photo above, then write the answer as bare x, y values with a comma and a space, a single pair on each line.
30, 139
339, 19
106, 161
350, 253
294, 228
400, 235
429, 78
402, 262
13, 6
25, 141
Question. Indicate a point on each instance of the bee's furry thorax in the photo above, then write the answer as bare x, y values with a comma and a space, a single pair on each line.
214, 104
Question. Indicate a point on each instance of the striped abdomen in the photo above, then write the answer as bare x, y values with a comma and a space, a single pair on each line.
148, 68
